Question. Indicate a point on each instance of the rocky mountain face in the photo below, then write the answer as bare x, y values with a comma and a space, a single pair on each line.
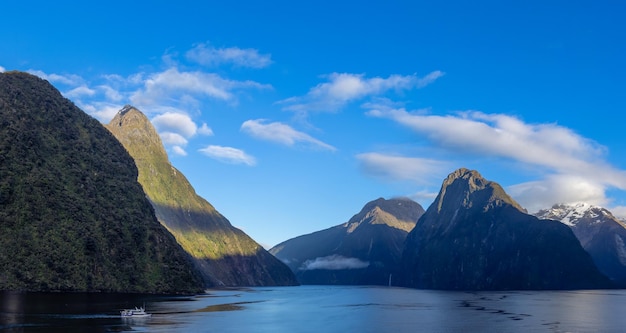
225, 255
600, 233
72, 214
475, 237
366, 250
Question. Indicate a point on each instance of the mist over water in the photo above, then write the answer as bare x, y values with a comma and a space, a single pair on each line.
321, 309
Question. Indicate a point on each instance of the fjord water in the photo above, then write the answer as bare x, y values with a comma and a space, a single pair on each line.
321, 309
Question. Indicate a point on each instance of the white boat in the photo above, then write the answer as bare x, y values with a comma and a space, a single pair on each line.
135, 313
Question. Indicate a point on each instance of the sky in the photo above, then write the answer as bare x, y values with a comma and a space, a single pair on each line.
289, 116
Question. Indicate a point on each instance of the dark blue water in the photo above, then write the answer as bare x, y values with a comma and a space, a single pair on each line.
321, 309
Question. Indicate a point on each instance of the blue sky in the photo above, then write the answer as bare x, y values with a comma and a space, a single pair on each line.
289, 116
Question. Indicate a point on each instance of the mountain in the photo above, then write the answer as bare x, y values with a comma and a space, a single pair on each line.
72, 214
475, 237
225, 255
599, 232
364, 250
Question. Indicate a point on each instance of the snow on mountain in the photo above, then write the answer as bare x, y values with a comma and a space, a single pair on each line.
571, 214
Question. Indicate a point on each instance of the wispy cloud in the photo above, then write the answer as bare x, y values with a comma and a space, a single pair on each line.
111, 93
67, 79
101, 110
343, 88
281, 133
228, 155
172, 84
179, 151
401, 168
79, 92
574, 166
210, 56
205, 130
334, 262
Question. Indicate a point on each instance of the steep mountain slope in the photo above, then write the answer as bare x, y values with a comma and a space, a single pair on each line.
475, 237
365, 250
599, 232
72, 214
225, 255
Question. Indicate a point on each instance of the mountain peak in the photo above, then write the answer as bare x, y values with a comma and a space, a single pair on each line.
135, 131
126, 109
399, 213
226, 255
467, 188
131, 115
573, 213
475, 237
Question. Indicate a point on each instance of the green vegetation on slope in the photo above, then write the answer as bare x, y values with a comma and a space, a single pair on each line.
225, 254
72, 214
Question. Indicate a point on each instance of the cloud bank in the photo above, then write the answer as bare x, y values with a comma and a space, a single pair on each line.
574, 165
334, 262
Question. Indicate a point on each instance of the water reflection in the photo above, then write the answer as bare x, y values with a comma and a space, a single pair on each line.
320, 309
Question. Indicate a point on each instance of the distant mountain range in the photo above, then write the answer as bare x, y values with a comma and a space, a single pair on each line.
72, 214
599, 232
225, 255
472, 237
365, 250
475, 237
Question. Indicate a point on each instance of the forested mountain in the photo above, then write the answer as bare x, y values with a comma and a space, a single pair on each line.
72, 214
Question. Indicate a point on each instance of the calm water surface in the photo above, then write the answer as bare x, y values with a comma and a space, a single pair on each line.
322, 309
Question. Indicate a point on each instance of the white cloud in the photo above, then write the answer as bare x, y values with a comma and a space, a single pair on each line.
343, 88
205, 130
425, 198
228, 155
400, 168
210, 56
2, 70
68, 79
334, 262
619, 212
176, 123
103, 111
80, 91
280, 133
573, 165
172, 139
167, 86
110, 93
178, 150
554, 189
